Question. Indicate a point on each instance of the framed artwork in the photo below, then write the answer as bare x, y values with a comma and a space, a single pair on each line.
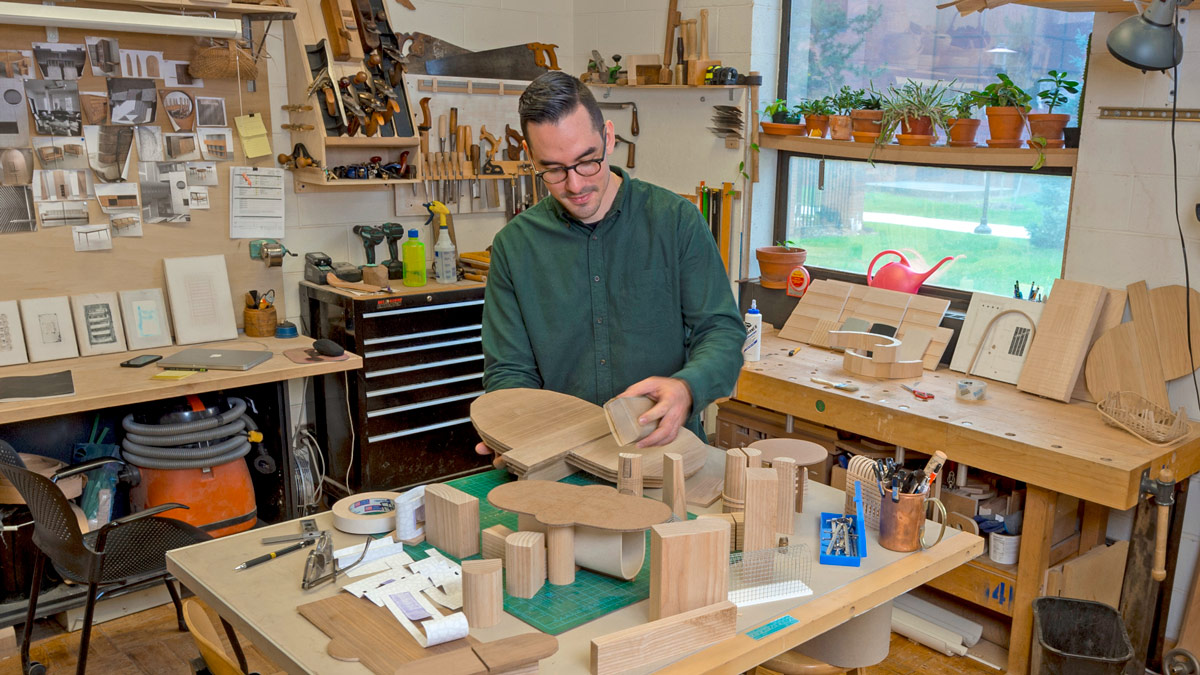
98, 323
12, 340
145, 315
201, 302
49, 331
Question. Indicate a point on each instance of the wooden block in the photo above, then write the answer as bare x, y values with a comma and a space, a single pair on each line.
726, 518
516, 654
914, 344
493, 542
8, 642
622, 415
823, 301
925, 311
674, 491
705, 490
598, 506
525, 563
785, 469
880, 305
937, 347
1169, 304
629, 474
762, 494
666, 638
697, 68
753, 457
560, 555
451, 520
483, 592
735, 480
1061, 342
1154, 382
820, 333
689, 566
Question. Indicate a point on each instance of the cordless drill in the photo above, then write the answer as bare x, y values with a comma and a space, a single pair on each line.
371, 237
394, 232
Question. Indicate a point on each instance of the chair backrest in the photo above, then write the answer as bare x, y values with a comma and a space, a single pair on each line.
55, 528
207, 641
9, 456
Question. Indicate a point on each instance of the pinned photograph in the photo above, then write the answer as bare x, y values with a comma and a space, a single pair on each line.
139, 63
60, 185
150, 144
14, 121
108, 151
98, 323
49, 331
163, 188
92, 237
60, 61
60, 153
105, 55
57, 214
115, 197
55, 107
17, 64
198, 197
202, 173
16, 166
210, 112
126, 224
175, 74
95, 106
216, 144
12, 340
180, 107
17, 210
132, 100
181, 147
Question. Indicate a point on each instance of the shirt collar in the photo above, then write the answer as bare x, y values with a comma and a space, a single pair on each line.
618, 205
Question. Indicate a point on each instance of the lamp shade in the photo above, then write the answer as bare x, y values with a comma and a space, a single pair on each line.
1149, 41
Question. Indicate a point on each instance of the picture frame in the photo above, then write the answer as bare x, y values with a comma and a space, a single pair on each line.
49, 329
200, 300
147, 322
98, 323
12, 339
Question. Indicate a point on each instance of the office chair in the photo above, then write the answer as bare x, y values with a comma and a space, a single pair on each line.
126, 551
216, 659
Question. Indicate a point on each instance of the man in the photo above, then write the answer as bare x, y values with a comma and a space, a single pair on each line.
614, 286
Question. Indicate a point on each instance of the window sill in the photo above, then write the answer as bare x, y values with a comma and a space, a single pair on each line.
938, 155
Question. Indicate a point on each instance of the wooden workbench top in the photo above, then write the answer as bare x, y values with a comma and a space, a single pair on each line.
1062, 447
100, 382
399, 289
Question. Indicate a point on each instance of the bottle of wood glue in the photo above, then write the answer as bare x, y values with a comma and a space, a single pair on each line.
752, 348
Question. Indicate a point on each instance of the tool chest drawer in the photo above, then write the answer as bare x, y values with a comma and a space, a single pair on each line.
395, 399
381, 324
394, 359
437, 452
419, 375
396, 421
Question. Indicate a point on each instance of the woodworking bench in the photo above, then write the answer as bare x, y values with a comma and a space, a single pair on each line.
261, 602
1055, 448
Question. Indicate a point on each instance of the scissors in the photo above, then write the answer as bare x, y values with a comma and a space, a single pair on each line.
921, 395
266, 299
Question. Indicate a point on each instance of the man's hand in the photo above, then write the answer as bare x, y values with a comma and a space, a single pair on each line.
673, 403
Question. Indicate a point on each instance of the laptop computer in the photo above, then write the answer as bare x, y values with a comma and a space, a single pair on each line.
203, 358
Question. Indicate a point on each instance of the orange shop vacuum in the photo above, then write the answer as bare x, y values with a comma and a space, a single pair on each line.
193, 454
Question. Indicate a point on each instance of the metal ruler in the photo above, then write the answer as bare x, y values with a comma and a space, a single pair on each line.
1150, 114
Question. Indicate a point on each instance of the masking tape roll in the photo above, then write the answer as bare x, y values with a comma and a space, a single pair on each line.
971, 390
366, 513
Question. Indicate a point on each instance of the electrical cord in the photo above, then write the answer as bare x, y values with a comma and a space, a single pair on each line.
350, 426
1187, 277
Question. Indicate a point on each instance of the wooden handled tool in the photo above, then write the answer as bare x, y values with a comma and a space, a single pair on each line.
425, 118
704, 35
493, 143
629, 161
515, 140
453, 129
664, 73
1162, 529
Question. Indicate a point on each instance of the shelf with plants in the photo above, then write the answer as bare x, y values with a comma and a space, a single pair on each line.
938, 155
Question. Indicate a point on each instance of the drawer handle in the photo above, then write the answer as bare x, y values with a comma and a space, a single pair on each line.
428, 333
414, 310
424, 366
424, 385
418, 430
423, 404
421, 348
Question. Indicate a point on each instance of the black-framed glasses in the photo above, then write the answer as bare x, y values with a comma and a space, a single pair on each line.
585, 169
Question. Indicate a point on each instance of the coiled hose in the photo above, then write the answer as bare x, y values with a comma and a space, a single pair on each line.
158, 446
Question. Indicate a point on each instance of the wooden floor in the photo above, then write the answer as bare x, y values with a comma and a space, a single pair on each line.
149, 643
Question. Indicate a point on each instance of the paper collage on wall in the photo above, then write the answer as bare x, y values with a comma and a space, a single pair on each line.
49, 331
198, 196
95, 106
141, 63
12, 339
108, 151
92, 237
105, 54
175, 74
180, 107
210, 112
126, 223
98, 327
55, 107
163, 187
59, 61
117, 197
149, 144
181, 146
132, 100
202, 173
145, 314
14, 124
61, 185
17, 63
17, 210
216, 144
60, 152
16, 166
57, 214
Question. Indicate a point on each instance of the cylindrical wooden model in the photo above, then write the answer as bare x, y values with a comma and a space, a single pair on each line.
260, 322
525, 559
483, 592
560, 555
674, 491
753, 457
902, 523
734, 492
785, 468
629, 474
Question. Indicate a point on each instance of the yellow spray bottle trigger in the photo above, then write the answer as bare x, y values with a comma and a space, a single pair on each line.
254, 436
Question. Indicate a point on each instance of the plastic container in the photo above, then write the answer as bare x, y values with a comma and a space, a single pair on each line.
445, 258
1004, 549
413, 253
1078, 637
752, 347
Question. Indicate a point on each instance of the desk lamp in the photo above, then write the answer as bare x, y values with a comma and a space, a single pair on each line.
1150, 41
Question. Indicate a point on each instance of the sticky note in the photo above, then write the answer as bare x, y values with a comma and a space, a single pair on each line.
253, 134
173, 374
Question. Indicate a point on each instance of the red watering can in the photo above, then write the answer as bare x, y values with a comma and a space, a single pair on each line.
898, 276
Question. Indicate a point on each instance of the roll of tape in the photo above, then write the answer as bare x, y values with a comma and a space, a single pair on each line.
366, 513
971, 390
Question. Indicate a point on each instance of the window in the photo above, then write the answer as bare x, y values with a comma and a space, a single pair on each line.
1009, 226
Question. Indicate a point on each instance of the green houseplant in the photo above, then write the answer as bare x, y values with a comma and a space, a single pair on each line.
1049, 125
816, 113
843, 103
916, 110
783, 119
1006, 105
866, 120
962, 126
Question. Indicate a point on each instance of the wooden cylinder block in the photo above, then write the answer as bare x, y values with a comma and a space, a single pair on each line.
785, 469
525, 559
629, 474
560, 555
735, 480
762, 494
753, 457
674, 492
483, 592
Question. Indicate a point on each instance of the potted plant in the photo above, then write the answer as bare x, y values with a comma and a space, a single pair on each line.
917, 110
843, 103
866, 119
775, 263
1049, 125
962, 127
816, 116
1006, 105
783, 122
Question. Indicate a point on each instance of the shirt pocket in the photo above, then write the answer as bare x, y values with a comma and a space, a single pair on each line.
646, 301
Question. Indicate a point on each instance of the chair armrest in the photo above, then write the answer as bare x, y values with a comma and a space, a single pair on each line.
102, 537
84, 467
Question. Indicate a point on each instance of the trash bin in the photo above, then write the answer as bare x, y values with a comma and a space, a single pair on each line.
1078, 637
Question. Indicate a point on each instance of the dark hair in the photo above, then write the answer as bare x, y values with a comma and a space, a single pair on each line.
555, 95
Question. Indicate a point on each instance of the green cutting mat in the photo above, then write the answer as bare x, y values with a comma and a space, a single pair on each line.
555, 609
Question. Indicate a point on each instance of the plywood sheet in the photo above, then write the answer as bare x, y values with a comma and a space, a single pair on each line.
1060, 345
824, 299
1153, 383
561, 504
880, 305
1170, 304
1110, 315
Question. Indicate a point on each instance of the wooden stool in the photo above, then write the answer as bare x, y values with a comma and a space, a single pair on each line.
795, 663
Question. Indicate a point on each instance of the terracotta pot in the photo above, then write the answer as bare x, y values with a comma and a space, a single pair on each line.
1005, 124
917, 126
1048, 126
866, 121
962, 132
775, 263
865, 136
818, 126
915, 139
782, 129
839, 127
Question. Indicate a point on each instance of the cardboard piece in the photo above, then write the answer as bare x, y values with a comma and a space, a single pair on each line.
560, 504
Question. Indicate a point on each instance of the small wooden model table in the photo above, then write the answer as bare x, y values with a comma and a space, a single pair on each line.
1055, 448
261, 601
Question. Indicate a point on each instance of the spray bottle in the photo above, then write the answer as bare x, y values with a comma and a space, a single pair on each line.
445, 257
752, 348
413, 253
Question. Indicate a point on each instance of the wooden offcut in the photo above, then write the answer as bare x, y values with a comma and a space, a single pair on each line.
451, 520
1111, 313
598, 506
622, 415
735, 480
762, 494
629, 474
525, 563
674, 491
667, 638
483, 592
785, 469
689, 566
1063, 336
1151, 372
492, 541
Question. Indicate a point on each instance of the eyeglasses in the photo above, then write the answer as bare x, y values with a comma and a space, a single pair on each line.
585, 169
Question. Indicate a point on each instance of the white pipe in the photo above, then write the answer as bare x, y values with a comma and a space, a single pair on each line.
116, 20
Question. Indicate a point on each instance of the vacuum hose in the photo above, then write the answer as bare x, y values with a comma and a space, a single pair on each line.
159, 446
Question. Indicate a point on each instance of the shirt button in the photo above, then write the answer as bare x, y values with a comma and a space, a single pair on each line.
594, 237
599, 320
602, 362
596, 278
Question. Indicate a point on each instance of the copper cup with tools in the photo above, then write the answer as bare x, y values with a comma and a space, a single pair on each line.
902, 522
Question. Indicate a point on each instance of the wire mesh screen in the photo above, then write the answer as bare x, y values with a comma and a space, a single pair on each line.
16, 210
769, 574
